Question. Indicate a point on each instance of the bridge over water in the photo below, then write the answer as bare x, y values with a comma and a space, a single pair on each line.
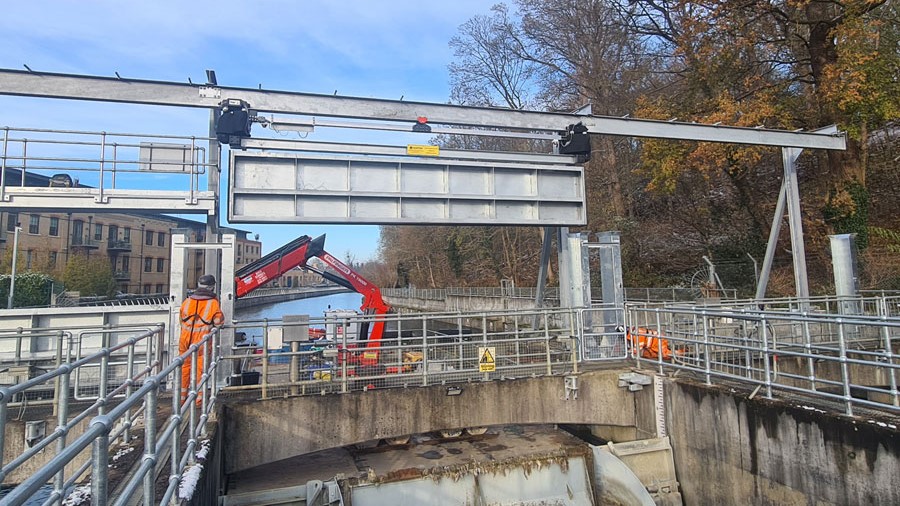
776, 405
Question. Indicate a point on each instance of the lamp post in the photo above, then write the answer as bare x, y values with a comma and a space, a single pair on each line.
12, 278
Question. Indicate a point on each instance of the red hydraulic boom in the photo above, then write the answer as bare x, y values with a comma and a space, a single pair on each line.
296, 254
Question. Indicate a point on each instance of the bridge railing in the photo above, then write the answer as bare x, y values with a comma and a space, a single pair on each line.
100, 399
420, 350
846, 359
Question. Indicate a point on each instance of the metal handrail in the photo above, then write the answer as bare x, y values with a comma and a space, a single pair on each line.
139, 392
752, 347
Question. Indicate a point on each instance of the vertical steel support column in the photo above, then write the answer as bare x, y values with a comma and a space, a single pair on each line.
807, 348
129, 389
543, 268
211, 259
104, 372
611, 285
424, 351
846, 282
226, 298
798, 247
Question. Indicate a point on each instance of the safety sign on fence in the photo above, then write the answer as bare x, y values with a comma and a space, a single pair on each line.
486, 359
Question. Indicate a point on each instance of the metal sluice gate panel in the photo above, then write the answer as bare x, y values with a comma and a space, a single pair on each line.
338, 188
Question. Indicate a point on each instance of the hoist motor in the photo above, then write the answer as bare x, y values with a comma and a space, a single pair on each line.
233, 122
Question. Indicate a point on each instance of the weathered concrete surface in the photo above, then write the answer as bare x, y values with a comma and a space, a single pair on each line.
733, 450
260, 432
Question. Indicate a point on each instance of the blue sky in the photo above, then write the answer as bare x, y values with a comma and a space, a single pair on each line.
366, 48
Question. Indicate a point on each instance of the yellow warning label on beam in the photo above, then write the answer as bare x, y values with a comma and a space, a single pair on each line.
422, 150
486, 361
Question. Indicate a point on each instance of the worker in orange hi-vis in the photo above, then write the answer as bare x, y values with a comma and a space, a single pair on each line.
648, 343
200, 312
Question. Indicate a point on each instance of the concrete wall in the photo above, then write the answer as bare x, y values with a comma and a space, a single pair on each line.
260, 432
733, 450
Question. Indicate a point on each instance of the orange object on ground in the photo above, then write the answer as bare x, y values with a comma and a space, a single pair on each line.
649, 343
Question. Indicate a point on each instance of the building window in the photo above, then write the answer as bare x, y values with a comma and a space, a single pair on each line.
148, 238
29, 256
113, 234
160, 264
12, 221
161, 240
125, 263
98, 232
51, 259
148, 265
159, 288
146, 289
54, 227
34, 222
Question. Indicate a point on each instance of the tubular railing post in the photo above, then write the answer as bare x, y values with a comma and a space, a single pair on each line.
62, 418
100, 467
546, 344
104, 372
484, 340
807, 347
706, 363
845, 375
4, 401
424, 352
102, 163
150, 414
115, 166
659, 355
176, 419
129, 388
344, 353
889, 358
57, 386
459, 339
3, 165
265, 359
767, 370
192, 392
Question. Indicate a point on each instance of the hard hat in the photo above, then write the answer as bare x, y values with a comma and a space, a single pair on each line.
207, 280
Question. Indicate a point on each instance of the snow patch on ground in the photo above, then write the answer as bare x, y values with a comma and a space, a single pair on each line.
189, 480
80, 495
810, 408
203, 451
122, 452
882, 424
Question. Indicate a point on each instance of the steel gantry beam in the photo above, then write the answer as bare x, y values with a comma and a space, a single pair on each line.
138, 91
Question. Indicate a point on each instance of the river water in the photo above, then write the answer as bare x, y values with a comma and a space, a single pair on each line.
314, 307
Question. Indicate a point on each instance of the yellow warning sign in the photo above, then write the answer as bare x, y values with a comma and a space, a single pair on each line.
486, 362
422, 150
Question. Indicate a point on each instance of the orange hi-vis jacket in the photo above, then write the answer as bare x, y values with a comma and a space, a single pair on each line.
199, 314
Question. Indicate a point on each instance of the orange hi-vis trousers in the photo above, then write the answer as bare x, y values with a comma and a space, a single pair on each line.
199, 315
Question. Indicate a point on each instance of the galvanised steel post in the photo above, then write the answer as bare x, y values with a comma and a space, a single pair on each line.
845, 375
4, 401
3, 165
100, 463
807, 347
129, 389
102, 164
342, 349
176, 420
767, 369
486, 376
659, 355
62, 418
889, 356
104, 372
706, 364
150, 414
12, 277
424, 352
192, 392
546, 345
265, 359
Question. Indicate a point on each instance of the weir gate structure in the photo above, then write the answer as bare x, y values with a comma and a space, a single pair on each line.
759, 401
